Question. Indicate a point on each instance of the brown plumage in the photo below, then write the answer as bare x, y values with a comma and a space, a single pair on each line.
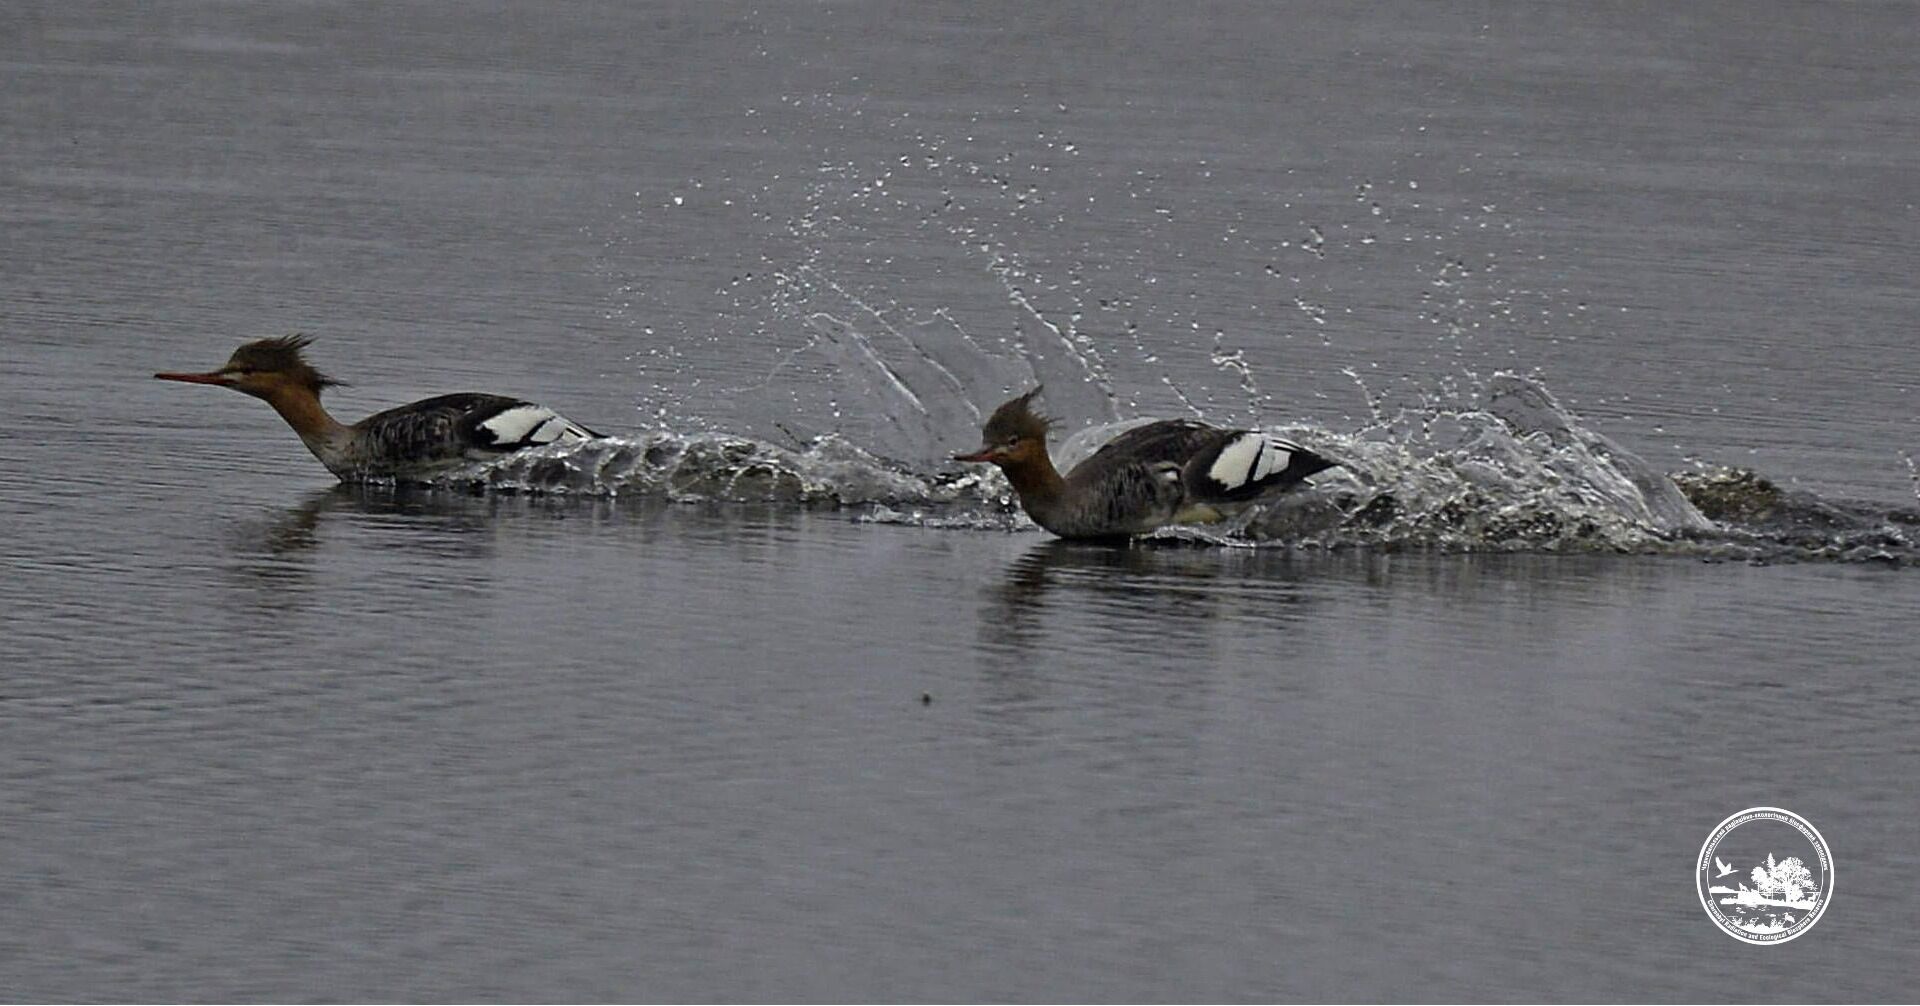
409, 441
1015, 420
281, 355
1167, 472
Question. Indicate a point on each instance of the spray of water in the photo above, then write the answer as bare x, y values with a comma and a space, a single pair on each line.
1458, 462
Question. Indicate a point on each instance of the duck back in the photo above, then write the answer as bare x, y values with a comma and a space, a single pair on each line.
449, 429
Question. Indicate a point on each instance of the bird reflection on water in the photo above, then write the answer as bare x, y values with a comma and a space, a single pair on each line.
424, 537
1062, 603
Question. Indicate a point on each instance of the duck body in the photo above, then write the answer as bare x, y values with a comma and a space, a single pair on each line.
410, 441
1175, 471
445, 431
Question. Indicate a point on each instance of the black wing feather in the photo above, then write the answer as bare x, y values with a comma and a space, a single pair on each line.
1169, 440
1194, 446
1299, 463
442, 428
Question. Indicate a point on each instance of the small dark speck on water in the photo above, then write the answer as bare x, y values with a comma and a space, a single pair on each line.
926, 698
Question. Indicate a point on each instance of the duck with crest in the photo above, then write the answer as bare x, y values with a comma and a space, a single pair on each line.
1174, 471
405, 442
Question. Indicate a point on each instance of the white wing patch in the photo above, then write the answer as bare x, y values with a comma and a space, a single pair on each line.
1274, 460
1249, 458
531, 425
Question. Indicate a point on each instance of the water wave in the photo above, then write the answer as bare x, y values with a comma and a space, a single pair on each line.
883, 367
1511, 470
700, 467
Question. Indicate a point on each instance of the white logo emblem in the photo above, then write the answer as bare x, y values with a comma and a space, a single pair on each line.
1765, 875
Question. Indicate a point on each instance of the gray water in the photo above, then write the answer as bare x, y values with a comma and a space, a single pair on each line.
823, 719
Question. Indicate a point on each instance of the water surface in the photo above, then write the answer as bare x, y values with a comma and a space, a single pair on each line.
842, 726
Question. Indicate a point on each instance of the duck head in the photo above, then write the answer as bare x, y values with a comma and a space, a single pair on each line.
267, 368
1015, 435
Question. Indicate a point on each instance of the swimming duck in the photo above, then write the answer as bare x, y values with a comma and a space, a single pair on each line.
1174, 471
408, 441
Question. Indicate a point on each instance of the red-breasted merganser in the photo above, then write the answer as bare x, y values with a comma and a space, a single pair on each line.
410, 440
1175, 471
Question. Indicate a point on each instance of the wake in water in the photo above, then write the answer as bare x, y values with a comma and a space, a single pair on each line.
877, 394
1514, 471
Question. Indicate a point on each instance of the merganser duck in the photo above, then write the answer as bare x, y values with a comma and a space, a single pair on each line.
1175, 471
408, 441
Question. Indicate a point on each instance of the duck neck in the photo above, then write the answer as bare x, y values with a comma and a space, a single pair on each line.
323, 434
1037, 482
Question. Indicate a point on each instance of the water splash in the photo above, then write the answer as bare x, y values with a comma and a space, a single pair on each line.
1505, 469
717, 467
1465, 463
926, 386
1755, 518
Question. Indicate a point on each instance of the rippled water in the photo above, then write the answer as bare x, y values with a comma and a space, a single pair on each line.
763, 700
